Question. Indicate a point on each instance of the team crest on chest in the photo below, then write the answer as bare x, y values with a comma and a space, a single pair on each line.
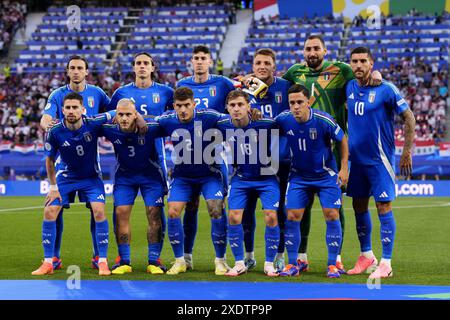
91, 102
212, 91
141, 140
278, 97
372, 96
302, 77
326, 76
156, 98
313, 133
87, 136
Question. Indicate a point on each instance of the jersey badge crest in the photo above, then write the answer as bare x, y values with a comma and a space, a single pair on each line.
91, 102
156, 98
302, 77
372, 96
141, 140
212, 91
87, 136
278, 97
313, 133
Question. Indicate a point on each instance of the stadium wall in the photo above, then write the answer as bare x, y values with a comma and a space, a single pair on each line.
426, 188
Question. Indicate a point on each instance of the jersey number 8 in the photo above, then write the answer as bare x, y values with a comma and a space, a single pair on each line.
80, 150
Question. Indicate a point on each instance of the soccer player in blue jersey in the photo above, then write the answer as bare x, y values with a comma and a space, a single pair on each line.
95, 100
271, 105
371, 113
192, 175
210, 91
137, 170
313, 171
151, 99
250, 143
75, 138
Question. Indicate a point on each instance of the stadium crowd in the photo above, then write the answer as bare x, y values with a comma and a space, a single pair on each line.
12, 18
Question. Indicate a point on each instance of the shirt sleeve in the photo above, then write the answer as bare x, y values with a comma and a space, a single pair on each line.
51, 145
288, 75
169, 104
51, 108
113, 101
229, 85
395, 100
334, 131
104, 106
155, 129
278, 125
347, 71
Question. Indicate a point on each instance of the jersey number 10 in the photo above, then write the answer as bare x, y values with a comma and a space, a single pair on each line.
359, 108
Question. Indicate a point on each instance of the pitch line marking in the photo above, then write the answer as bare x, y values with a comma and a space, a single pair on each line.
36, 207
445, 204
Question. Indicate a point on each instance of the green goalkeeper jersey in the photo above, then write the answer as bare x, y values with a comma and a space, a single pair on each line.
329, 90
329, 87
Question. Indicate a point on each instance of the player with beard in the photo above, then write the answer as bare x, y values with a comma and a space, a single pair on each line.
326, 82
95, 100
151, 99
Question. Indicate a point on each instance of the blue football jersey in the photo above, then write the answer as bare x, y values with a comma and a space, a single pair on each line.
248, 160
77, 148
211, 93
94, 101
310, 143
272, 104
135, 153
154, 100
371, 113
189, 137
276, 99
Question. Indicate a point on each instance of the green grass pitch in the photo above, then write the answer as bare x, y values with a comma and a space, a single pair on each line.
420, 252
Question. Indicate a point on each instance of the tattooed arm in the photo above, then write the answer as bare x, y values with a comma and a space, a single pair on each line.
409, 127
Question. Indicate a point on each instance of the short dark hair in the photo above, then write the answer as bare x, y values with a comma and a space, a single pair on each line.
183, 93
76, 57
362, 50
266, 52
316, 36
201, 48
140, 54
236, 94
73, 96
298, 88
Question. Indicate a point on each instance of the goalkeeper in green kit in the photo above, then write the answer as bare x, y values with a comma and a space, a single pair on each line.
326, 80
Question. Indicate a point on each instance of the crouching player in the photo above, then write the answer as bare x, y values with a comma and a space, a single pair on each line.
252, 176
313, 170
76, 140
137, 169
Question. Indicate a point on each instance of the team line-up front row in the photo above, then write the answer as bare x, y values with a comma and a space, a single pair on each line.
307, 133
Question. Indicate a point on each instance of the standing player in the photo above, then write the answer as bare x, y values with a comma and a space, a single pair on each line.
95, 100
192, 175
137, 170
309, 133
246, 138
151, 99
75, 138
271, 105
326, 81
371, 113
210, 91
